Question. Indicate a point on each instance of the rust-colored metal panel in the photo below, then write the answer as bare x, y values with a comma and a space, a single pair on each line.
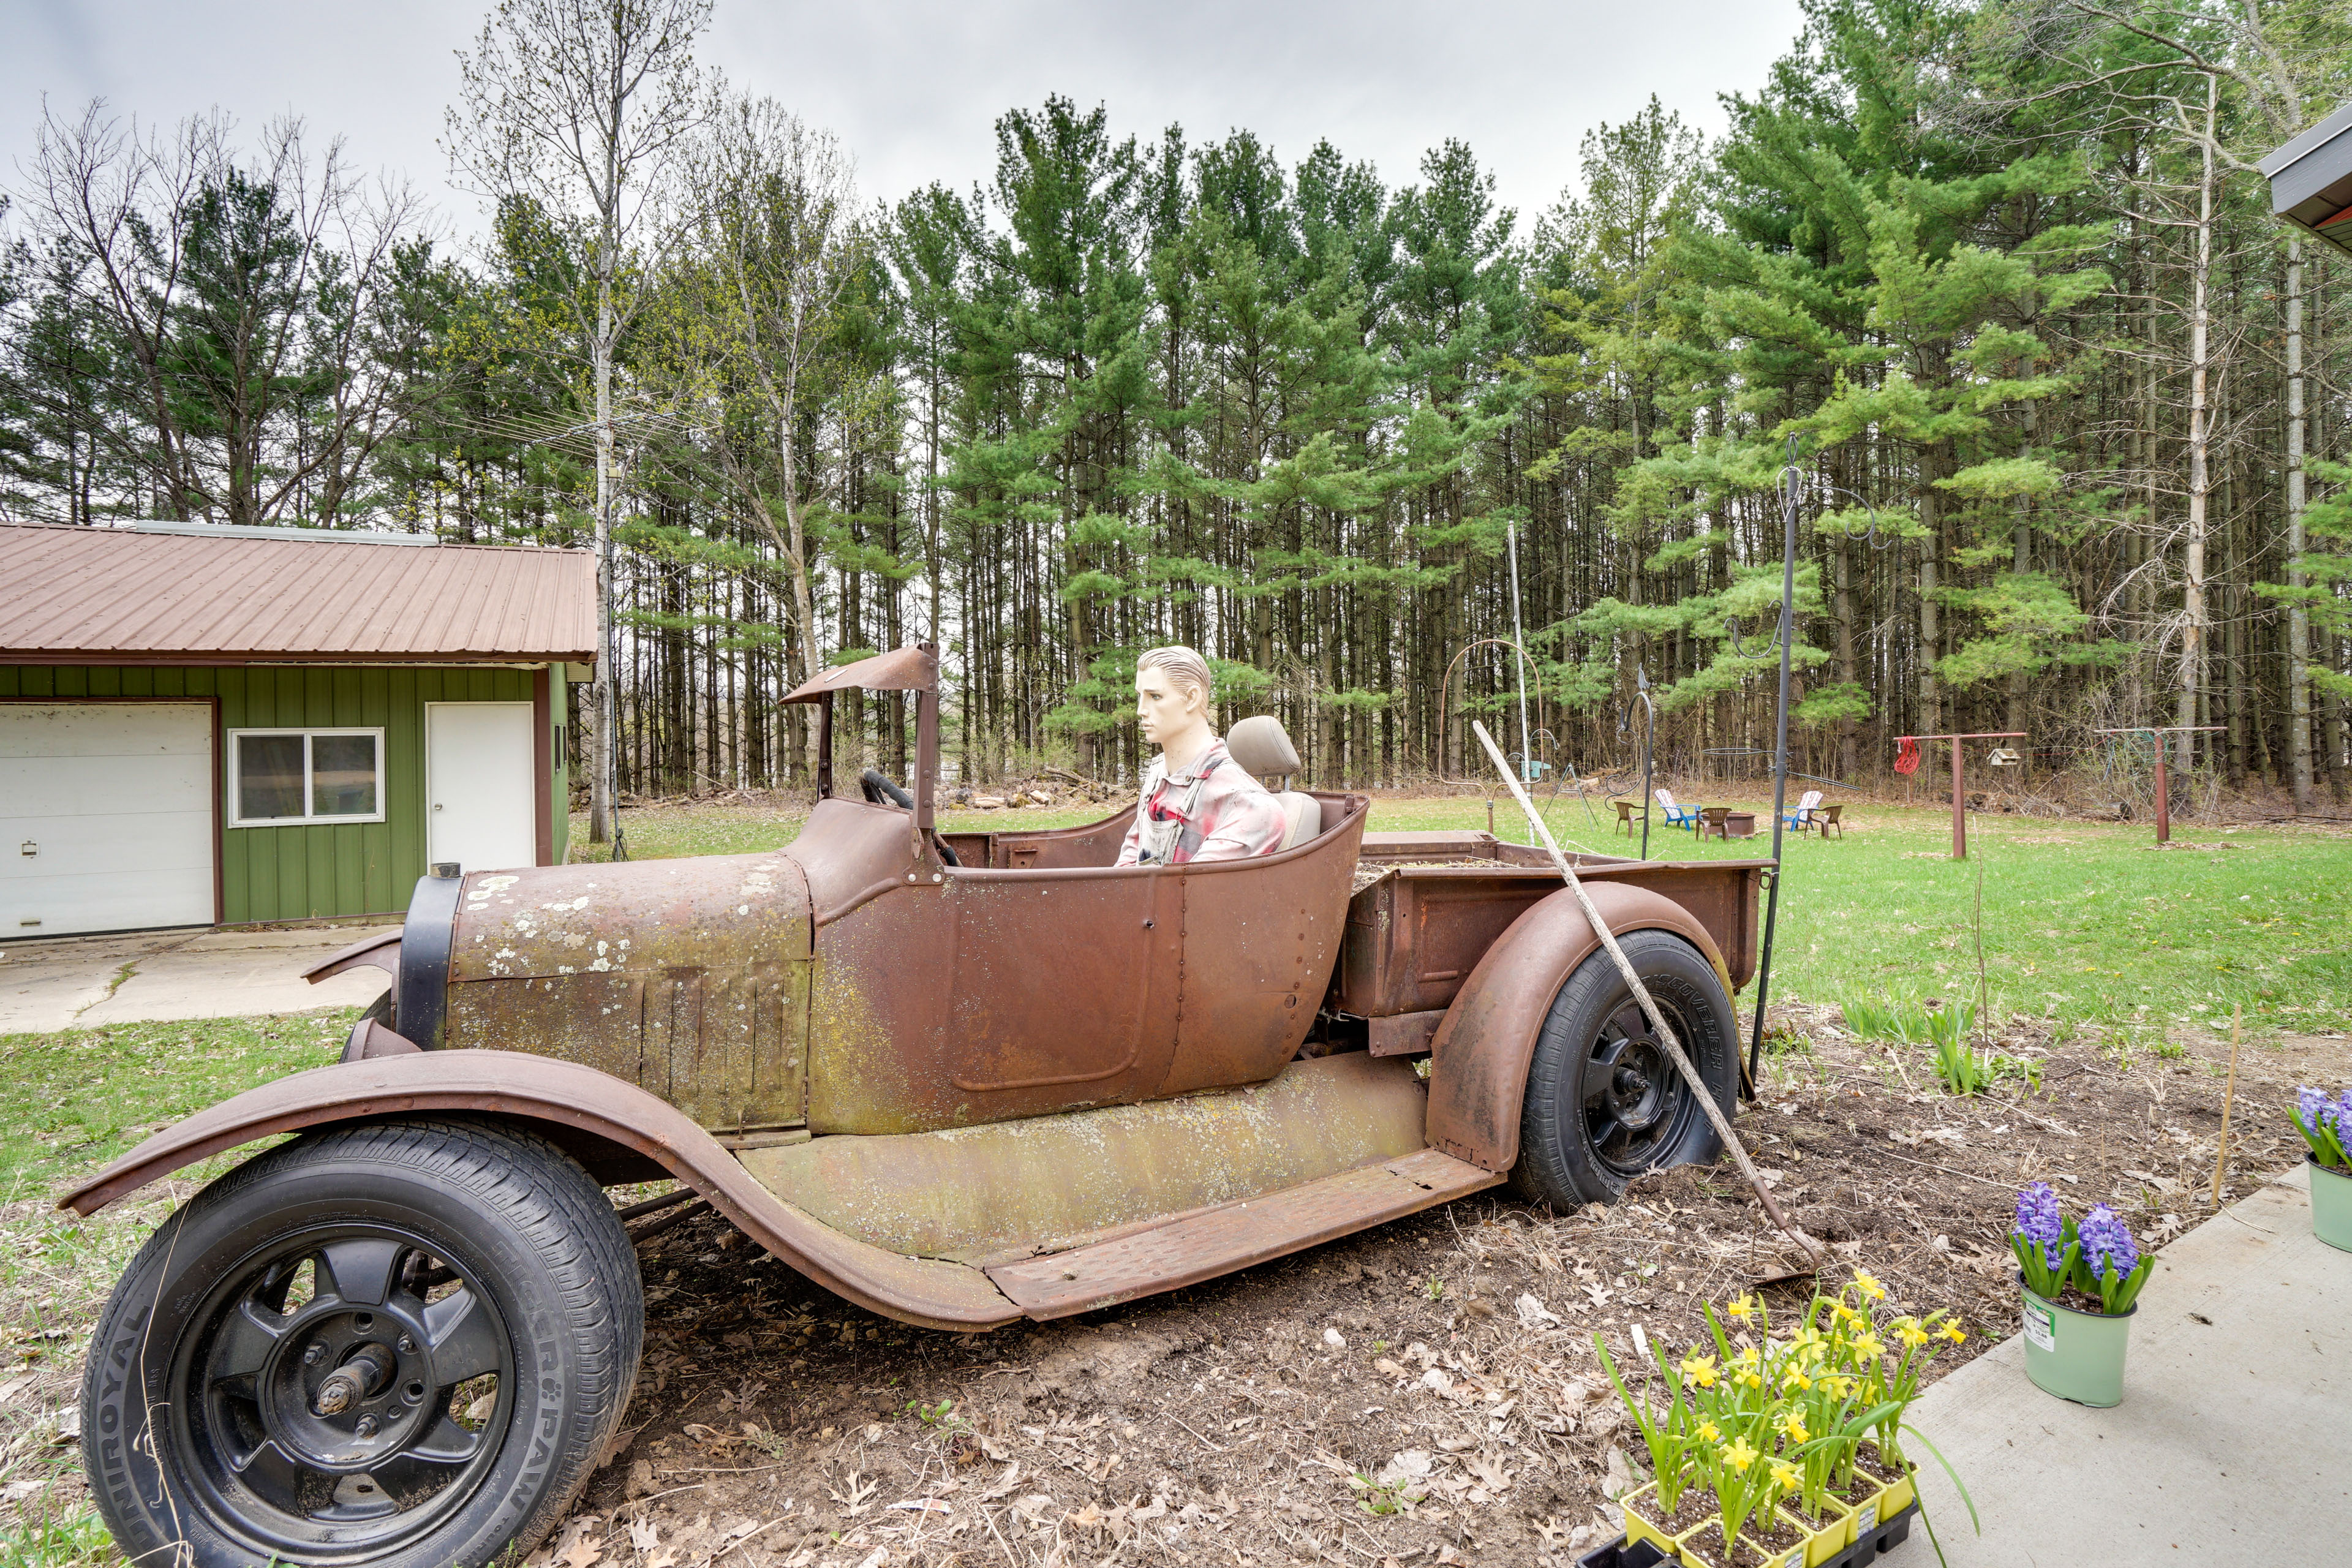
565, 1095
686, 977
1478, 1072
1414, 935
1260, 937
912, 669
1047, 1183
1200, 1247
96, 594
1404, 1034
945, 996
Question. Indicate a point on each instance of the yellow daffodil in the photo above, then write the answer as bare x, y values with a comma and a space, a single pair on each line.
1739, 1455
1750, 1379
1954, 1332
1784, 1477
1844, 1314
1745, 1358
1793, 1377
1869, 1285
1743, 1308
1699, 1369
1908, 1331
1867, 1347
1792, 1426
1710, 1432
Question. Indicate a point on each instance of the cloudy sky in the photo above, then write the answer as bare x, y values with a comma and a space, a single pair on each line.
913, 86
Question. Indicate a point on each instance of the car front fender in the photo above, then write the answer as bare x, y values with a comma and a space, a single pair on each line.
618, 1129
1478, 1060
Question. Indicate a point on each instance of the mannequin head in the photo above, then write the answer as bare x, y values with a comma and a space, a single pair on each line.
1172, 703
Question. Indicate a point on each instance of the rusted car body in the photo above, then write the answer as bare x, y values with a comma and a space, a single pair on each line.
789, 1032
965, 1078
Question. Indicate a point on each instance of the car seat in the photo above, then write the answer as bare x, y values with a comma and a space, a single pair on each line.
1263, 748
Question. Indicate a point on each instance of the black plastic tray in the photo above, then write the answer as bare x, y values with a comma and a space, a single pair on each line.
1890, 1534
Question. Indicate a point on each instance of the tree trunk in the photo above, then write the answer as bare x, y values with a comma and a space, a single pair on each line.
2193, 602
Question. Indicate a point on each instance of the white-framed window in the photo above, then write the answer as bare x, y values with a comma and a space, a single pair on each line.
282, 777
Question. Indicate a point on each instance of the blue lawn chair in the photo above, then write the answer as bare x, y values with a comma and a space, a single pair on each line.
1678, 816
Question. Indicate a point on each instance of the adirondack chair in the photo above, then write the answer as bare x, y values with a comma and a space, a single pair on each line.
1678, 816
1802, 818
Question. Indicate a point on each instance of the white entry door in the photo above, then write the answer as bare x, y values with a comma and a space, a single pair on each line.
480, 791
106, 817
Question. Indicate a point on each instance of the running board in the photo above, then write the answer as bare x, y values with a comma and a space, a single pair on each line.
1218, 1241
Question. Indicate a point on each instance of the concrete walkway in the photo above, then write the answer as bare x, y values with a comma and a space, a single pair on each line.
83, 982
2231, 1443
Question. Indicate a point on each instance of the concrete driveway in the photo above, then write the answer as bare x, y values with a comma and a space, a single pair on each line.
82, 981
2228, 1446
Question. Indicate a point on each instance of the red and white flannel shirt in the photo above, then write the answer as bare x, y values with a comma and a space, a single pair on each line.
1233, 817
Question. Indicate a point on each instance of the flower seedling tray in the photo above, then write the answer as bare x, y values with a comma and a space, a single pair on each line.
1891, 1533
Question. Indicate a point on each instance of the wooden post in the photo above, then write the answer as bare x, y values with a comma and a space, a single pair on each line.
2163, 797
1959, 807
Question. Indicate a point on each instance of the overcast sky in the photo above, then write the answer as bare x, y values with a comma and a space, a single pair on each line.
914, 87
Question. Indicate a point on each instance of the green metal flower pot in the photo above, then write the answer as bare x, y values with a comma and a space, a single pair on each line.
2075, 1355
2331, 1203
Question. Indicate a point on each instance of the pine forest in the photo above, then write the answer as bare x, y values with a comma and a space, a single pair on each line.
2069, 414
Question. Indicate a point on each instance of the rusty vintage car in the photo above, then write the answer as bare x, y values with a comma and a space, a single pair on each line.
962, 1078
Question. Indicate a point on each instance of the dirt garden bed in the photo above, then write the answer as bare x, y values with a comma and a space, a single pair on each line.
1425, 1393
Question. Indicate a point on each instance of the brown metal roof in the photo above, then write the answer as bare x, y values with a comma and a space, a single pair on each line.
126, 595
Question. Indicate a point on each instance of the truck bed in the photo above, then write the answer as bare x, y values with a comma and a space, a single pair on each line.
1433, 903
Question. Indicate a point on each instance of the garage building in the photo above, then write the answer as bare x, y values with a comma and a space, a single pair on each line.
210, 725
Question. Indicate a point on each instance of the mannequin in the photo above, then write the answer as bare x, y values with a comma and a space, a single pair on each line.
1197, 804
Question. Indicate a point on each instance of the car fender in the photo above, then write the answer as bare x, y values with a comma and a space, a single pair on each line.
618, 1130
1478, 1060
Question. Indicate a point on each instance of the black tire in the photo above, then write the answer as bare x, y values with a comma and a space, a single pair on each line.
415, 1259
1603, 1103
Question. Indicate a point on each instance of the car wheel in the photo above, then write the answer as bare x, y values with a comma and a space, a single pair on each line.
1605, 1102
405, 1343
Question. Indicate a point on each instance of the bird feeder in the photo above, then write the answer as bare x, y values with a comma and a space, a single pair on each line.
2311, 180
1907, 761
2002, 757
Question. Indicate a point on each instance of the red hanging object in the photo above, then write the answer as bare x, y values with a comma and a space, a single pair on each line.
1906, 756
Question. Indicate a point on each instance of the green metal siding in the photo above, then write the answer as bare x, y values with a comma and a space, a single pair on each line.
319, 871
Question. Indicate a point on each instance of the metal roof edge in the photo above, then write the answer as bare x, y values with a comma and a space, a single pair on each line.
2272, 164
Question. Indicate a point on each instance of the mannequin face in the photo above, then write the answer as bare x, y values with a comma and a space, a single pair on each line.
1174, 718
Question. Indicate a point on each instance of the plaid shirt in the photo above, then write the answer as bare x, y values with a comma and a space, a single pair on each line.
1234, 816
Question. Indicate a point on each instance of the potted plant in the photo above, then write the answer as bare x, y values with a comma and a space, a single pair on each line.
2326, 1126
2081, 1285
1665, 1508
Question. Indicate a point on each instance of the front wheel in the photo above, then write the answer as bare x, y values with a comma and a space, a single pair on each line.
1605, 1102
402, 1344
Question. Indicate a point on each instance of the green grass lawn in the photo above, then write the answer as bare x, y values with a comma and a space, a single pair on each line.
2084, 923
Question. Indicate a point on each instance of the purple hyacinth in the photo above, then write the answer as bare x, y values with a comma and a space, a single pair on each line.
2313, 1106
2106, 1244
2038, 1221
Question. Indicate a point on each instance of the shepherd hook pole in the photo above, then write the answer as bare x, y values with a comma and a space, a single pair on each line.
1780, 759
1715, 1116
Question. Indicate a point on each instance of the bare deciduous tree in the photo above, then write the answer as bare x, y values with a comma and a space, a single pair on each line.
578, 105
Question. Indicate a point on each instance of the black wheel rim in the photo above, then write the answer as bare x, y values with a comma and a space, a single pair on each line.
342, 1392
1633, 1105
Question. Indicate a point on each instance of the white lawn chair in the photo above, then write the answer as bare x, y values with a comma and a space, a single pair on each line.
1678, 816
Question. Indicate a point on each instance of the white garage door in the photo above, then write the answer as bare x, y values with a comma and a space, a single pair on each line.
106, 817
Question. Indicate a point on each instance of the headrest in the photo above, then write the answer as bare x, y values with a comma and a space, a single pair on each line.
1261, 746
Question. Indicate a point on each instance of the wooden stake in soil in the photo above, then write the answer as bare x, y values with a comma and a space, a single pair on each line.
1715, 1116
2221, 1155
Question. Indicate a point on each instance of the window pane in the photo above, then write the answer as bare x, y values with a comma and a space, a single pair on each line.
343, 776
268, 776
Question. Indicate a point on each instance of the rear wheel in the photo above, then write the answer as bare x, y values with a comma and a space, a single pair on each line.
403, 1343
1605, 1102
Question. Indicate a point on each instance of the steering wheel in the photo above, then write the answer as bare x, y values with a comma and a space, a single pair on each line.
878, 787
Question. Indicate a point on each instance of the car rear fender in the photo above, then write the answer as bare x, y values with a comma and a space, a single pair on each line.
1478, 1073
618, 1130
